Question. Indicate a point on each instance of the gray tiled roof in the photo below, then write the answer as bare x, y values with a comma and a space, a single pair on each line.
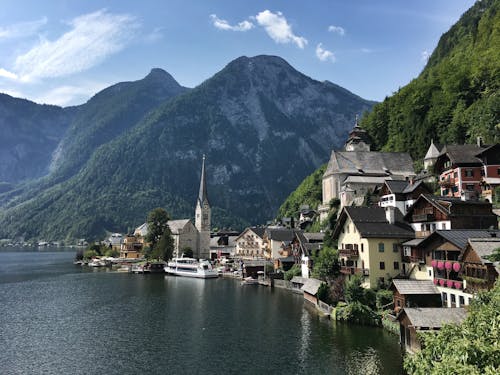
299, 280
405, 286
460, 237
176, 225
484, 247
372, 222
414, 242
281, 234
370, 162
463, 154
311, 286
434, 317
396, 186
310, 236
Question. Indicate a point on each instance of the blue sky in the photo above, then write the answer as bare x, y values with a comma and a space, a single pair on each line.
63, 52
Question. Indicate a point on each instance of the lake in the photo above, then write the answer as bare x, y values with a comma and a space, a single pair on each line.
57, 318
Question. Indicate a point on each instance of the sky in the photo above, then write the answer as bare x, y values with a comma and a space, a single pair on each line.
63, 52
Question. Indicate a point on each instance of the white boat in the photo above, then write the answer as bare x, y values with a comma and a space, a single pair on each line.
97, 263
191, 267
249, 281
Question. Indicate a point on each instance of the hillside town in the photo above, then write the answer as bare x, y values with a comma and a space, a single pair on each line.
428, 237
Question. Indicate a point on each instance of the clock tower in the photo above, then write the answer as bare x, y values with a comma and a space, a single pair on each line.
203, 217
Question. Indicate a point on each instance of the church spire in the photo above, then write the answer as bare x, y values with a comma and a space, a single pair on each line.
202, 195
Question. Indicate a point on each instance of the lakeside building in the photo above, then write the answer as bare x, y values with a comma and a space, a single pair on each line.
422, 321
352, 173
185, 236
131, 247
249, 243
369, 242
414, 293
222, 245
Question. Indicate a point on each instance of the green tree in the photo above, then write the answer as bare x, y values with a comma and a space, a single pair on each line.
353, 291
157, 221
470, 348
326, 265
296, 270
187, 251
164, 248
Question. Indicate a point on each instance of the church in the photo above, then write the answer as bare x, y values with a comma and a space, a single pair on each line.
356, 170
185, 234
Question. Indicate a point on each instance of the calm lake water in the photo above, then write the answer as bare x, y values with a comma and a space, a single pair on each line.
57, 318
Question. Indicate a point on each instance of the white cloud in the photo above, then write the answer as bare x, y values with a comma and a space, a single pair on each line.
278, 28
6, 74
154, 35
224, 25
22, 29
425, 56
337, 29
69, 95
323, 54
92, 39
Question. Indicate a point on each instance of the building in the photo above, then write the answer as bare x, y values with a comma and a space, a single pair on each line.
369, 242
417, 321
222, 245
352, 173
414, 293
131, 247
432, 155
478, 271
490, 180
461, 169
203, 215
401, 194
444, 262
249, 244
276, 242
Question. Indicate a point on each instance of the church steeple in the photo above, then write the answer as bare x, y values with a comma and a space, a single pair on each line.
358, 139
202, 195
203, 216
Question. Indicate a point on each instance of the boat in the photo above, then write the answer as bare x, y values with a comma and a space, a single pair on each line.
249, 281
191, 267
97, 263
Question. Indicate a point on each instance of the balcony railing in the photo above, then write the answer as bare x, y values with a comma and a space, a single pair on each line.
422, 233
422, 217
413, 259
354, 271
349, 253
447, 183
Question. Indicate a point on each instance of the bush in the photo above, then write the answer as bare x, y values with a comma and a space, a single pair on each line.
384, 297
296, 270
324, 293
369, 298
89, 254
357, 313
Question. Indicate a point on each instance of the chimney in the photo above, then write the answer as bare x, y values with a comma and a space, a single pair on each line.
479, 142
390, 214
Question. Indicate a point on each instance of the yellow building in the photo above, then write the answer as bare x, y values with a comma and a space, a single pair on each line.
369, 242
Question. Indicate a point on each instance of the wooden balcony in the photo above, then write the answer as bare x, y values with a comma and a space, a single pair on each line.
349, 253
413, 259
422, 233
447, 183
423, 217
354, 271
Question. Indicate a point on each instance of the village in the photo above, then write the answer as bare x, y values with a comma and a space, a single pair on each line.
433, 252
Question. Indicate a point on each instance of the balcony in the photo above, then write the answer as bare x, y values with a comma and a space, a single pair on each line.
447, 183
422, 233
354, 271
413, 259
423, 217
349, 253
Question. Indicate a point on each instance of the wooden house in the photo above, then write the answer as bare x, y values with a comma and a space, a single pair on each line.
478, 270
414, 293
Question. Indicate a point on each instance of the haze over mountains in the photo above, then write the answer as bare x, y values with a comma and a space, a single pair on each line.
137, 145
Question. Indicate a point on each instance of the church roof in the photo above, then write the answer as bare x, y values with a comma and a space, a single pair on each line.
370, 163
433, 151
176, 225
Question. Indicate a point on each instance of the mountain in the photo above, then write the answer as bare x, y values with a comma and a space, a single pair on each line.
456, 97
30, 133
104, 117
262, 125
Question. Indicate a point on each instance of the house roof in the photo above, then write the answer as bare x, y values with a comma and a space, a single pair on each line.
484, 247
372, 222
289, 259
413, 242
259, 231
460, 237
280, 234
405, 286
463, 154
311, 286
314, 237
370, 162
445, 204
396, 186
433, 317
299, 280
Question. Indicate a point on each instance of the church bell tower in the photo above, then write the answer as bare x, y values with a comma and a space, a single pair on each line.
203, 217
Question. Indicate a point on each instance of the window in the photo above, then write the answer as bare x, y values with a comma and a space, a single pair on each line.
395, 247
461, 300
398, 303
482, 172
498, 171
455, 175
396, 265
469, 173
469, 187
362, 248
381, 247
382, 265
445, 297
453, 298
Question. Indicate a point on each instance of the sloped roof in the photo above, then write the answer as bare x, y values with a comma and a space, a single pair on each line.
433, 317
463, 154
141, 230
433, 151
370, 162
413, 242
484, 247
311, 286
280, 234
259, 231
177, 225
460, 237
405, 286
396, 186
299, 280
372, 222
367, 179
445, 204
314, 236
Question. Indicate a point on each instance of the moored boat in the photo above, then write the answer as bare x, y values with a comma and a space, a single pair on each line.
191, 267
